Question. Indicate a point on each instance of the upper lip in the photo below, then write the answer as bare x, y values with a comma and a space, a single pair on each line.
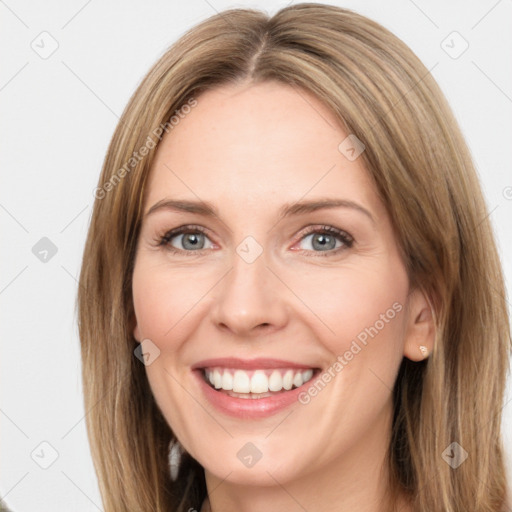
249, 364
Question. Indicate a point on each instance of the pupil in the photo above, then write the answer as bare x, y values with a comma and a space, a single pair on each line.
324, 241
192, 240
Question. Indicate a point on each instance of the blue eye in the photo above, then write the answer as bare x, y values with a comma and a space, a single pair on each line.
325, 240
192, 239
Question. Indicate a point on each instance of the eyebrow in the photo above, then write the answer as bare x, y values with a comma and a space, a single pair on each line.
299, 208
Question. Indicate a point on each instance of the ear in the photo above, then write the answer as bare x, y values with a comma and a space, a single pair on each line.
136, 333
420, 327
134, 327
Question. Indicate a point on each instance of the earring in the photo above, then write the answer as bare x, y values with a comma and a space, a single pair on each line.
424, 350
175, 453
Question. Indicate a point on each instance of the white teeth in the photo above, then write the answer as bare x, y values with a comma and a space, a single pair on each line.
288, 380
275, 383
307, 375
241, 382
297, 380
217, 379
227, 381
260, 382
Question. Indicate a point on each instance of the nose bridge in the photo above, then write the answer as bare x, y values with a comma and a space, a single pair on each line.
249, 295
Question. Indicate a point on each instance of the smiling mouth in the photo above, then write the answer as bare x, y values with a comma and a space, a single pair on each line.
256, 384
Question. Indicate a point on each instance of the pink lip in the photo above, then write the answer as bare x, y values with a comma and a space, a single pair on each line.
249, 364
248, 408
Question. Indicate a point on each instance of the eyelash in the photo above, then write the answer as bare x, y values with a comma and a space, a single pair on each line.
344, 237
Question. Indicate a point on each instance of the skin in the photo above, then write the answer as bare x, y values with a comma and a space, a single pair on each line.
250, 149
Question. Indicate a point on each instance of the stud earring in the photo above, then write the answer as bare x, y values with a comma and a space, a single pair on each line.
424, 350
175, 453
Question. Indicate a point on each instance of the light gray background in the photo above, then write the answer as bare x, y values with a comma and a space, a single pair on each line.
58, 114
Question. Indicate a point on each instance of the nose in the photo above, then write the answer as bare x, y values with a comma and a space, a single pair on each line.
250, 300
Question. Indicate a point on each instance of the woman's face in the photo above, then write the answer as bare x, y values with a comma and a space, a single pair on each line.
268, 291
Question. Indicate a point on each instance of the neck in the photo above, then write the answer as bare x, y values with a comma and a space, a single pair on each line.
356, 480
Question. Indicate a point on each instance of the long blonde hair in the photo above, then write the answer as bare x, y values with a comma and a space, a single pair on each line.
422, 169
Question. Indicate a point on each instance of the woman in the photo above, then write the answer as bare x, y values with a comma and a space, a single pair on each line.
290, 289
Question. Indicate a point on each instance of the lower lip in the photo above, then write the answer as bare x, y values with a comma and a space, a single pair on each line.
250, 408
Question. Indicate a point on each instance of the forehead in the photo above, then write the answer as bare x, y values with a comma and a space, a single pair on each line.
254, 145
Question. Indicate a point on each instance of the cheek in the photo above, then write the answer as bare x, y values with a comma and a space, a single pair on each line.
364, 312
162, 299
359, 305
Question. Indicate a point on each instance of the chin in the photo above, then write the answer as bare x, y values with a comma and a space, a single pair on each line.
260, 475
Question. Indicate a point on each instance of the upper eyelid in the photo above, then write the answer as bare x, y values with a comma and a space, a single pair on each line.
308, 230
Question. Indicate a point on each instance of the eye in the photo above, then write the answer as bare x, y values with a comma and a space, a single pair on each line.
328, 240
190, 238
